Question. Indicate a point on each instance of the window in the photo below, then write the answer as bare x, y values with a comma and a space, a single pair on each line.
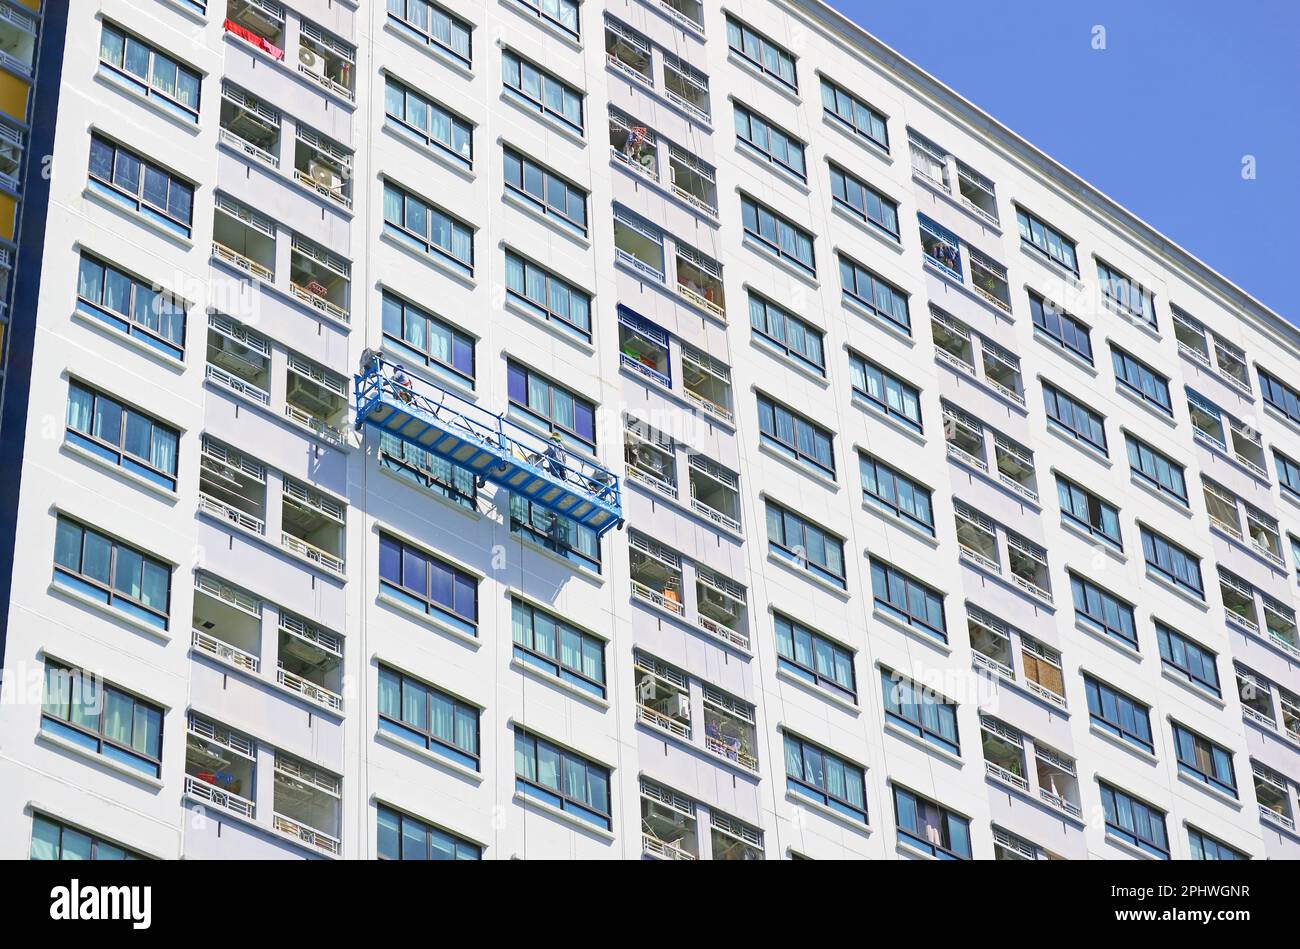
794, 435
415, 222
1194, 341
940, 246
629, 51
1060, 327
1180, 567
428, 584
785, 332
112, 573
152, 73
920, 711
862, 288
1126, 294
1204, 761
541, 90
140, 185
639, 244
886, 392
820, 776
779, 235
761, 53
1119, 714
428, 122
1212, 425
1279, 395
643, 346
428, 717
930, 827
908, 600
1141, 380
81, 708
401, 837
929, 162
121, 435
1046, 240
1158, 470
806, 545
772, 143
977, 193
1080, 422
815, 658
554, 532
431, 24
854, 114
552, 407
548, 296
1103, 611
562, 779
55, 840
1184, 658
424, 338
566, 652
1204, 847
860, 199
562, 13
1288, 473
895, 493
1089, 513
548, 192
1134, 822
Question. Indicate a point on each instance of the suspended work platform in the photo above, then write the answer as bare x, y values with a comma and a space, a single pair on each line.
487, 445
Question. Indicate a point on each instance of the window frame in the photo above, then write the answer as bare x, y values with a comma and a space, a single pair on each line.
1124, 705
455, 121
137, 200
791, 553
905, 615
835, 91
878, 284
922, 698
555, 665
893, 508
425, 241
1107, 599
111, 595
805, 786
1053, 396
771, 407
148, 88
423, 600
517, 63
424, 735
431, 832
811, 673
513, 157
117, 453
454, 22
1147, 844
567, 803
744, 32
83, 736
777, 247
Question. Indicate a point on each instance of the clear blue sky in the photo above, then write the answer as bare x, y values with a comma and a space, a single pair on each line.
1159, 120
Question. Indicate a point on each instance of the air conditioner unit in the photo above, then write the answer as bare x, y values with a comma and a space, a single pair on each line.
645, 690
679, 707
718, 601
311, 61
325, 175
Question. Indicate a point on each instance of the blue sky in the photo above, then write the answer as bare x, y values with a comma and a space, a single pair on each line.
1159, 120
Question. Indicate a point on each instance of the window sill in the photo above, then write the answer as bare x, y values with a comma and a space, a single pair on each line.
1121, 743
521, 204
430, 260
1068, 355
180, 6
808, 575
95, 758
800, 801
1177, 591
555, 681
816, 474
428, 151
941, 753
792, 269
136, 217
128, 339
893, 243
817, 690
121, 473
1093, 453
927, 539
1057, 269
768, 80
192, 128
860, 140
554, 327
1093, 542
429, 49
531, 803
870, 408
1129, 316
451, 767
811, 374
104, 609
1129, 651
427, 620
900, 334
750, 151
1129, 848
1146, 406
1214, 792
932, 641
1190, 686
1168, 499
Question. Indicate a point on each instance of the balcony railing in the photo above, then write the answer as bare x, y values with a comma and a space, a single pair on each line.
227, 512
719, 747
239, 261
658, 598
659, 720
248, 148
316, 301
325, 431
236, 384
1002, 774
226, 652
653, 847
307, 835
1060, 803
322, 558
217, 797
308, 690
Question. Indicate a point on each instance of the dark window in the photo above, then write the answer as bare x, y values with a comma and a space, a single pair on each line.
552, 406
1134, 821
428, 717
144, 187
402, 837
864, 201
806, 544
908, 600
1186, 658
562, 779
763, 54
1079, 422
549, 643
854, 114
797, 436
919, 710
1118, 714
931, 827
814, 658
428, 584
1061, 327
1103, 611
423, 337
828, 779
895, 493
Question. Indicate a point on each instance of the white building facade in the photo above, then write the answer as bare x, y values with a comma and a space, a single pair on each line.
915, 500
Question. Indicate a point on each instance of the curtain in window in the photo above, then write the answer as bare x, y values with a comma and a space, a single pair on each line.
441, 718
119, 712
390, 696
466, 729
162, 453
80, 402
393, 204
45, 835
58, 692
414, 706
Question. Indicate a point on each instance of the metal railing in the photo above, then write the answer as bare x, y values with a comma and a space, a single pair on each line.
223, 650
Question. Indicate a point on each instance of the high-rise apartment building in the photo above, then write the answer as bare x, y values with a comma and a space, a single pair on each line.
605, 430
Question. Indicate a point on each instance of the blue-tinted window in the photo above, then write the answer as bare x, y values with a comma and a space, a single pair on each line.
1081, 422
828, 779
771, 142
794, 435
552, 406
1180, 567
428, 122
1141, 380
1158, 470
1279, 395
1088, 512
541, 90
919, 710
1047, 240
428, 717
927, 826
1134, 821
566, 652
131, 306
428, 584
761, 52
807, 545
55, 840
781, 329
81, 708
424, 338
864, 289
554, 196
1126, 293
428, 229
888, 393
141, 185
1187, 659
1061, 327
562, 779
149, 71
778, 234
548, 296
112, 573
402, 837
1205, 761
1204, 847
815, 658
431, 24
1118, 714
561, 13
1103, 611
908, 600
842, 106
858, 197
121, 435
894, 492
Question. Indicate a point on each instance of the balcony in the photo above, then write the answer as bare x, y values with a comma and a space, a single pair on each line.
707, 383
313, 526
668, 829
232, 488
227, 623
989, 279
634, 145
327, 61
244, 239
1004, 753
731, 839
729, 729
650, 457
310, 662
323, 165
320, 279
639, 245
715, 492
720, 607
686, 87
238, 359
693, 180
643, 348
699, 280
259, 23
1273, 797
1058, 784
656, 574
628, 53
977, 193
17, 40
492, 448
316, 398
1028, 563
220, 766
250, 126
306, 804
662, 697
